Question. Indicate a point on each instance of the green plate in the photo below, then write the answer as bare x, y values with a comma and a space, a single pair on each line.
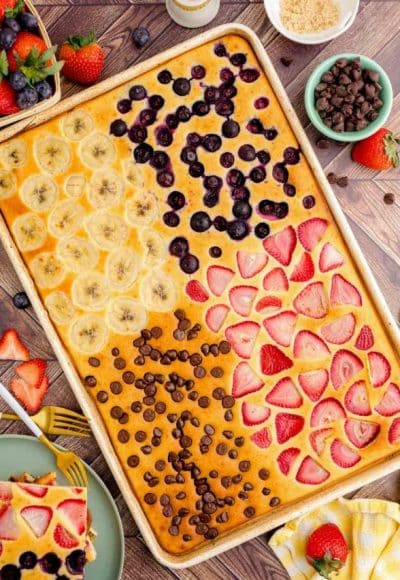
23, 453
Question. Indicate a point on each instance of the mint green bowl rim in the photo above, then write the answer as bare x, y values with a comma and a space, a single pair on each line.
348, 137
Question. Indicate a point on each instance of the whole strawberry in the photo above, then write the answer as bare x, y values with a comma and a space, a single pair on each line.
379, 152
25, 43
8, 103
84, 59
6, 5
327, 550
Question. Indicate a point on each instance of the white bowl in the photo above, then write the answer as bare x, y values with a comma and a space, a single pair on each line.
348, 13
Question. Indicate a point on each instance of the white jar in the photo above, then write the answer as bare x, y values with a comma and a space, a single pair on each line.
192, 13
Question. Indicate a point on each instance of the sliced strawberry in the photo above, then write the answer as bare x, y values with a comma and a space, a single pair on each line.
312, 301
281, 327
390, 403
32, 372
261, 438
309, 346
365, 339
345, 365
11, 347
314, 383
35, 490
215, 316
281, 245
276, 281
311, 472
287, 458
356, 399
327, 411
285, 394
9, 529
330, 258
38, 518
64, 539
30, 397
273, 360
304, 269
254, 414
339, 331
218, 279
268, 304
379, 368
318, 439
342, 455
242, 298
196, 291
74, 512
361, 433
311, 232
251, 263
245, 381
5, 492
343, 292
394, 432
287, 426
242, 337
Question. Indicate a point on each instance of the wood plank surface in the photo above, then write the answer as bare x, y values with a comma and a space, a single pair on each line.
376, 225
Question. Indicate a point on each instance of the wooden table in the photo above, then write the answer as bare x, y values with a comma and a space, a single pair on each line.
376, 225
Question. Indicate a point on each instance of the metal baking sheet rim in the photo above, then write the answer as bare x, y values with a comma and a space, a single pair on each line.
283, 514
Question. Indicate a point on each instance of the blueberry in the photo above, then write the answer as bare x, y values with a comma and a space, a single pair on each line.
118, 128
137, 134
289, 189
7, 38
271, 134
267, 207
147, 116
171, 121
176, 200
183, 114
196, 169
165, 178
262, 230
164, 136
263, 156
228, 91
17, 80
235, 178
13, 24
230, 129
247, 152
188, 155
224, 107
164, 77
189, 263
198, 72
291, 155
137, 93
27, 98
242, 210
238, 59
76, 561
238, 229
240, 193
212, 182
211, 94
124, 106
280, 173
181, 86
258, 174
220, 50
171, 219
159, 160
156, 102
143, 153
226, 75
309, 201
220, 223
211, 198
179, 247
50, 563
211, 142
10, 572
249, 75
193, 139
28, 560
255, 126
44, 89
200, 108
261, 103
140, 36
282, 210
28, 21
200, 221
215, 252
227, 160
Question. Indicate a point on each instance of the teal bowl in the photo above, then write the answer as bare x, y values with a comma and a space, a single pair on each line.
350, 137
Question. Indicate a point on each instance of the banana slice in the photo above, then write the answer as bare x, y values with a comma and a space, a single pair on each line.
8, 184
106, 189
97, 150
107, 230
158, 292
90, 291
60, 307
53, 154
29, 231
89, 333
77, 125
47, 270
75, 186
155, 250
141, 209
122, 268
14, 153
39, 192
65, 219
133, 174
126, 315
78, 254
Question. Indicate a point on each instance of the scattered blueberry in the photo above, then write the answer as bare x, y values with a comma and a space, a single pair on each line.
137, 93
27, 98
118, 128
193, 139
196, 169
212, 182
156, 102
271, 134
189, 264
238, 59
280, 173
188, 155
237, 229
50, 563
249, 75
176, 200
230, 129
309, 201
200, 108
165, 178
240, 193
211, 198
124, 106
181, 86
211, 142
143, 153
220, 50
228, 90
164, 136
76, 561
227, 160
267, 207
183, 114
224, 107
179, 247
171, 219
258, 174
211, 94
282, 210
263, 156
7, 38
44, 89
261, 103
140, 36
147, 116
235, 178
289, 189
262, 230
255, 126
200, 221
171, 121
226, 75
137, 134
28, 21
28, 560
10, 572
242, 210
215, 252
17, 80
164, 77
159, 160
13, 24
220, 223
247, 153
198, 72
291, 156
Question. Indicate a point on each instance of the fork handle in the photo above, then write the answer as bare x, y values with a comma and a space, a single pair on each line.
9, 417
22, 414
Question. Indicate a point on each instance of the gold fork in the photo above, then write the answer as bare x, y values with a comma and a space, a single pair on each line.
67, 462
56, 421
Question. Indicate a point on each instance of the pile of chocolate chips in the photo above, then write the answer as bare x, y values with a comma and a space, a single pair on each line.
348, 96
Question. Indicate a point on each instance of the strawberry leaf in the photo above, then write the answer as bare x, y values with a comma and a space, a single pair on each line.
391, 149
326, 565
79, 41
36, 66
3, 64
13, 12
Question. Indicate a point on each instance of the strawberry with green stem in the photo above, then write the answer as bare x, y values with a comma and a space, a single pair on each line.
84, 58
378, 152
327, 550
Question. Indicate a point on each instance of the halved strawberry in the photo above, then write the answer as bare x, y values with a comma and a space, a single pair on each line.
285, 394
273, 360
218, 278
318, 439
242, 298
394, 432
281, 327
215, 316
5, 492
345, 365
276, 281
361, 433
379, 368
9, 529
32, 372
327, 411
268, 304
254, 414
261, 438
30, 397
64, 539
342, 455
11, 347
330, 258
311, 472
304, 269
390, 403
281, 245
245, 380
312, 301
311, 232
309, 346
287, 426
365, 339
38, 518
251, 263
35, 490
341, 330
343, 292
242, 337
314, 383
196, 291
356, 399
287, 458
74, 512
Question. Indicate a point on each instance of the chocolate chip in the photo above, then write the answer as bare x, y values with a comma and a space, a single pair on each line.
123, 419
145, 350
173, 530
343, 181
164, 499
249, 512
227, 434
199, 372
229, 500
180, 495
115, 351
138, 342
186, 537
165, 360
169, 479
172, 354
248, 486
149, 401
233, 454
332, 177
146, 449
243, 495
116, 412
274, 501
185, 441
213, 473
116, 387
150, 498
228, 402
228, 415
183, 355
201, 529
265, 491
244, 465
90, 381
195, 359
193, 395
94, 362
222, 448
120, 363
237, 478
133, 461
179, 334
204, 402
205, 349
223, 517
146, 334
155, 354
388, 198
180, 478
286, 61
224, 347
226, 481
123, 436
167, 511
139, 360
177, 396
217, 372
172, 417
209, 429
128, 377
211, 534
218, 393
184, 324
102, 396
149, 415
156, 332
263, 474
180, 314
160, 465
176, 520
239, 441
140, 436
323, 143
153, 482
195, 422
136, 407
